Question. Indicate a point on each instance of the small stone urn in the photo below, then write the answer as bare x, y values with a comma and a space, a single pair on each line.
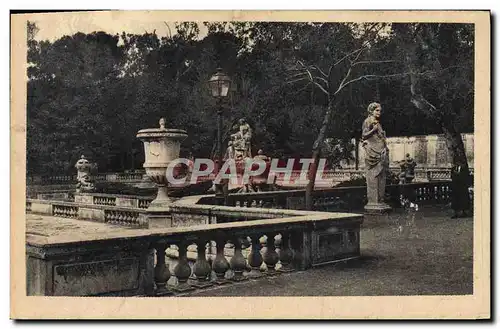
161, 146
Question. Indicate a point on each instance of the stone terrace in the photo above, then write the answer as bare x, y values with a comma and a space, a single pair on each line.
434, 259
434, 256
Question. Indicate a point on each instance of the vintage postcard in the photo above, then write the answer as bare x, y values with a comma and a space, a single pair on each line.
250, 165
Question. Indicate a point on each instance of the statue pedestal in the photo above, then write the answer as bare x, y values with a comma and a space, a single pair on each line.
159, 218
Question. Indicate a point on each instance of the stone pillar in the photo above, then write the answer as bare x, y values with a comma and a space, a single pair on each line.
432, 141
469, 148
443, 157
420, 150
410, 146
400, 148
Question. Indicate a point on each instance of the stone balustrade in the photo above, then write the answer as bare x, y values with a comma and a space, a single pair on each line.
131, 217
129, 201
110, 177
67, 195
337, 175
131, 211
335, 199
134, 262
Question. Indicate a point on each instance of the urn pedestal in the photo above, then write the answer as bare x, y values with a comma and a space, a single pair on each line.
161, 146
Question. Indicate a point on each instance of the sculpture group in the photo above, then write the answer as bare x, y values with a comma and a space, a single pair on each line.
239, 145
84, 179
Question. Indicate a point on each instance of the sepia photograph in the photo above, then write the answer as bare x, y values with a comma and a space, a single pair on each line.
319, 165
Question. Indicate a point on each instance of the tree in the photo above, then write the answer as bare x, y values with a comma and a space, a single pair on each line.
334, 69
446, 50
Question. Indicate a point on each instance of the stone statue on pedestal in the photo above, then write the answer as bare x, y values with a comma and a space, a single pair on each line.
376, 160
407, 167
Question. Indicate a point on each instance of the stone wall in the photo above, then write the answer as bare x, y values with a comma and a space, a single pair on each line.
428, 151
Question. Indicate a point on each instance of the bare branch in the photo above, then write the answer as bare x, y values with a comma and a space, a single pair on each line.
169, 31
330, 72
372, 62
319, 70
422, 104
346, 56
341, 85
297, 75
322, 79
306, 70
375, 76
322, 89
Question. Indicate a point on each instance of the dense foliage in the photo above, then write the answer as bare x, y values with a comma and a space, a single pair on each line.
90, 93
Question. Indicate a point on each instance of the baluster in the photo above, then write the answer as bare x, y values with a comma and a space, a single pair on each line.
238, 262
255, 257
432, 193
270, 256
182, 270
285, 253
162, 272
220, 264
202, 268
127, 218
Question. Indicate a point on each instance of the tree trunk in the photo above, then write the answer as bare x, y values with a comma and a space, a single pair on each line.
456, 149
454, 143
316, 151
356, 153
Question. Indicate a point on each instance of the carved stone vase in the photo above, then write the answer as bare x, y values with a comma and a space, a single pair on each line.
161, 146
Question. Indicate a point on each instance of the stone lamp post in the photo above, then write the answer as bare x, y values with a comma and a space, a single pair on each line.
161, 146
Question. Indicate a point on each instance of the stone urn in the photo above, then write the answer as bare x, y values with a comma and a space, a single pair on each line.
161, 146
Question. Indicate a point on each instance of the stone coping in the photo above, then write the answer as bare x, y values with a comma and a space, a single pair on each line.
215, 209
122, 196
77, 235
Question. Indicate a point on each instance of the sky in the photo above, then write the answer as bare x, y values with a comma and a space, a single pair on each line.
52, 26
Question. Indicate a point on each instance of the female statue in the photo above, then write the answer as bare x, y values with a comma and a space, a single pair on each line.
376, 158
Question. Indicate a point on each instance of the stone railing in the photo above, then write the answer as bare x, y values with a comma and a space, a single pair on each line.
129, 201
441, 174
336, 176
335, 199
131, 217
67, 179
134, 262
60, 179
66, 195
131, 210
